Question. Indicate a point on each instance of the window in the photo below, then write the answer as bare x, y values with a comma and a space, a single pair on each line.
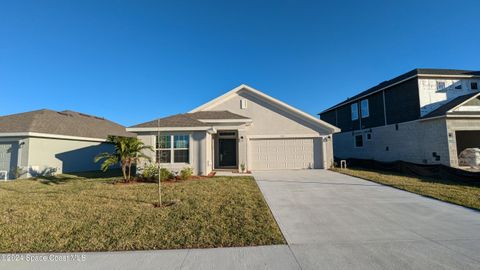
458, 86
181, 143
354, 108
369, 136
358, 140
364, 108
474, 86
163, 148
440, 85
178, 152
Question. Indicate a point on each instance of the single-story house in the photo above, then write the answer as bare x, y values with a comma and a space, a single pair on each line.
48, 142
242, 129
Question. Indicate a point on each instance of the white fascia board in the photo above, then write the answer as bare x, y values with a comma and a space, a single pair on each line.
463, 116
225, 120
271, 100
146, 129
286, 136
51, 136
448, 76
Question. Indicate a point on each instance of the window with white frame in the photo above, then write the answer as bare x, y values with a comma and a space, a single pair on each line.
176, 152
354, 109
364, 108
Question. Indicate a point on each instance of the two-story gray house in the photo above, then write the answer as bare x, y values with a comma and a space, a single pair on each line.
425, 116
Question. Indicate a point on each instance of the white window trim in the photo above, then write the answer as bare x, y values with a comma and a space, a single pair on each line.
365, 101
355, 141
352, 111
172, 148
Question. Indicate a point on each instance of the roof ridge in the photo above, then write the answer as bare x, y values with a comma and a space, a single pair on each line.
35, 117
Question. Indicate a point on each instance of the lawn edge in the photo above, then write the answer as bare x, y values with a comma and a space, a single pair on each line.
399, 188
271, 212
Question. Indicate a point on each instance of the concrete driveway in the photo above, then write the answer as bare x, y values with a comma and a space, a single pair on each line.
334, 221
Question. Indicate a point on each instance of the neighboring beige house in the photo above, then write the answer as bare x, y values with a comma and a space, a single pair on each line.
48, 142
242, 128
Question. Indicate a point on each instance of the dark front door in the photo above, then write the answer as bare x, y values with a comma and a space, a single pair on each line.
227, 151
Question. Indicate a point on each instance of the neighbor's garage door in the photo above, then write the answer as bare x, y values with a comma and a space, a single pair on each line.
291, 153
8, 157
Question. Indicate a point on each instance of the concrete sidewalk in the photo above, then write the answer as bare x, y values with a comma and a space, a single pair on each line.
261, 257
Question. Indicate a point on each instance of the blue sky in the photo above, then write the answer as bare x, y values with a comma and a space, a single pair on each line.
132, 61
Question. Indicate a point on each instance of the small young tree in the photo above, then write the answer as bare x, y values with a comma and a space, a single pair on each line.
127, 152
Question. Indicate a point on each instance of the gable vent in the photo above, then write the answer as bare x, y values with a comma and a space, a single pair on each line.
243, 104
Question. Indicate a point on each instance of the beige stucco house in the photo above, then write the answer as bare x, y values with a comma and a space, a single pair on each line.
51, 142
243, 128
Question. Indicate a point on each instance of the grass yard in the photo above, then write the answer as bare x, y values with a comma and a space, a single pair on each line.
450, 191
73, 214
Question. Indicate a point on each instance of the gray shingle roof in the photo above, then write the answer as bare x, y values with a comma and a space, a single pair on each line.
442, 110
418, 71
68, 123
190, 119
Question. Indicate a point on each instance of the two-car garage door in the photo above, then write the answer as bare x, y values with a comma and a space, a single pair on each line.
286, 153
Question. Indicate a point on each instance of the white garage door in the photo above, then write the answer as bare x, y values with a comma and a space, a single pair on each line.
292, 153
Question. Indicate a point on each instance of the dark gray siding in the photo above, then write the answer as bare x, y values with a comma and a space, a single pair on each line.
402, 102
344, 119
330, 117
376, 115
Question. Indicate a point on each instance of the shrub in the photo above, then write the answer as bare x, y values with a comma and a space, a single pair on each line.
186, 173
166, 174
150, 171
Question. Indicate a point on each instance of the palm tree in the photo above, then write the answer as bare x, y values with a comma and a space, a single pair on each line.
136, 150
127, 152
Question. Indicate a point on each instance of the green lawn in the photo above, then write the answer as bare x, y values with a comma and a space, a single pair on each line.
450, 191
72, 214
